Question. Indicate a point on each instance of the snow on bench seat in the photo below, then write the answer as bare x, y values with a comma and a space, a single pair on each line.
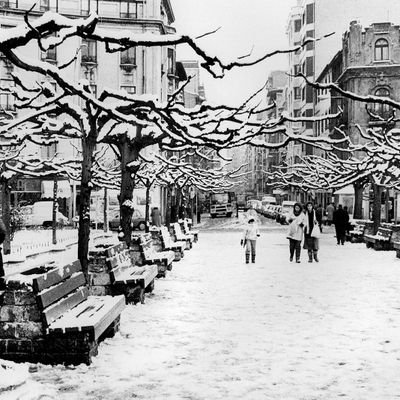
381, 240
168, 243
93, 315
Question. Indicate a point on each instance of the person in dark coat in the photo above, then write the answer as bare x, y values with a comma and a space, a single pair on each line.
311, 243
319, 212
3, 233
340, 219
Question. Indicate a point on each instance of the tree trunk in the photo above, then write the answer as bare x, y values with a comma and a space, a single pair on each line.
358, 198
147, 214
6, 214
168, 207
54, 217
377, 208
128, 155
88, 147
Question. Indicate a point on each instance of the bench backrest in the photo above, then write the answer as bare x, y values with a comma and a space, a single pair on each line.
165, 236
118, 260
60, 289
360, 228
384, 232
177, 229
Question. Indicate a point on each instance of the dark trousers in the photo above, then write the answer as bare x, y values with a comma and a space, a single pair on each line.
295, 245
340, 234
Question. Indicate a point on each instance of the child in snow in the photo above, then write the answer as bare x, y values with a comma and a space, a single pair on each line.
249, 239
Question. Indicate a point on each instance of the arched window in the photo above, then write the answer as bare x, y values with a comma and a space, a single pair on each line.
383, 110
381, 50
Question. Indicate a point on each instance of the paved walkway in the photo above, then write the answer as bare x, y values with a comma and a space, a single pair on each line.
216, 328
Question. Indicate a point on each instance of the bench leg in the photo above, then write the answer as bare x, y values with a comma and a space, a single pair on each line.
150, 287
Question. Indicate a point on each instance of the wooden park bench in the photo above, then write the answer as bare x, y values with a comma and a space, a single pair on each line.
181, 236
188, 231
52, 319
131, 280
169, 245
142, 244
381, 240
356, 234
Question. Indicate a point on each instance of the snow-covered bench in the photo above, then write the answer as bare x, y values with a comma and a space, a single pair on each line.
381, 240
129, 279
181, 236
52, 318
169, 245
187, 230
163, 259
356, 234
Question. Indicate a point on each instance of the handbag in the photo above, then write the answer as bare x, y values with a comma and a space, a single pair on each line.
316, 233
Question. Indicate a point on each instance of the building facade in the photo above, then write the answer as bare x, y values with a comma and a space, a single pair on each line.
137, 70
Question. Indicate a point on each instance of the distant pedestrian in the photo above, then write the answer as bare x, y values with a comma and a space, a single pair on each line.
3, 233
348, 225
319, 212
249, 240
340, 219
155, 216
295, 232
311, 233
330, 209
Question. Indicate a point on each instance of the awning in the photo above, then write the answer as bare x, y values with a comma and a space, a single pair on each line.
63, 190
349, 190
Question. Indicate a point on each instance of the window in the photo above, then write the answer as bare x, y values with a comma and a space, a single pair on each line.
310, 46
131, 9
7, 101
309, 66
171, 62
297, 25
128, 56
310, 13
296, 69
382, 110
44, 5
48, 152
89, 51
297, 93
50, 55
381, 50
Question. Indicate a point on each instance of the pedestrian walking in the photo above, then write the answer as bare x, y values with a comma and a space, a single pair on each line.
319, 212
3, 233
341, 220
155, 216
311, 233
249, 240
330, 209
295, 232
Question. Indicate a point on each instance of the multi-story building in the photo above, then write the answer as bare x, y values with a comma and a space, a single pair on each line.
316, 18
136, 70
367, 64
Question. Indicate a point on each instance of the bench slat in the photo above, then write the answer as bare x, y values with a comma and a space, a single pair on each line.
112, 251
55, 293
50, 314
55, 276
142, 275
119, 258
93, 315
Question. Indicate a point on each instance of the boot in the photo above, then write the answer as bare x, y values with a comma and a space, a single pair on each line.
247, 258
253, 258
316, 256
310, 259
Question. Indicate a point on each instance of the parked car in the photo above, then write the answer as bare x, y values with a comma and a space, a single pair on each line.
138, 221
41, 214
287, 209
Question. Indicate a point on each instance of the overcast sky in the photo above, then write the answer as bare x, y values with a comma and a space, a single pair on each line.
244, 24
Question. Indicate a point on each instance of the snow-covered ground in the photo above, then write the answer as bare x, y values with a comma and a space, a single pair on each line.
216, 328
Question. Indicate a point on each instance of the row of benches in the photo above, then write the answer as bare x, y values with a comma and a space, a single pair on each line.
51, 314
387, 236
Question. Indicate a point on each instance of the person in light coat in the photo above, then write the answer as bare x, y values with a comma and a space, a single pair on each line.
249, 240
295, 232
